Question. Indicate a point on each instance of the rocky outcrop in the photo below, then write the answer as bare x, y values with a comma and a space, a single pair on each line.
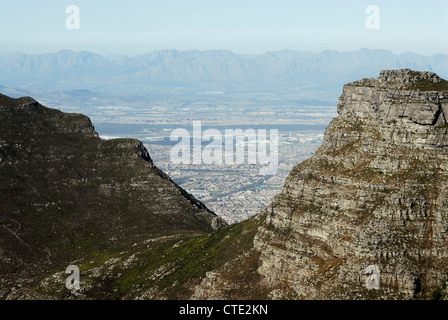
374, 194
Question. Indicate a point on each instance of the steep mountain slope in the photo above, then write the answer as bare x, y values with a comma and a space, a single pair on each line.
374, 194
66, 195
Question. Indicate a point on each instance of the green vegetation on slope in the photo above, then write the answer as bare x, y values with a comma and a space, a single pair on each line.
167, 268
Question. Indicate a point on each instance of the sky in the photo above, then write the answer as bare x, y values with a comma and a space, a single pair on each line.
135, 27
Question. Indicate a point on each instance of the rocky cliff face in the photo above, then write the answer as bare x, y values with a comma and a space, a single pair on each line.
66, 195
374, 194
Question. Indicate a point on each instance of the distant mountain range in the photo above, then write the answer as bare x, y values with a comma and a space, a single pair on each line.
301, 74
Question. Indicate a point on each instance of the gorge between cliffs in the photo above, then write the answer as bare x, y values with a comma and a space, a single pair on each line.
374, 194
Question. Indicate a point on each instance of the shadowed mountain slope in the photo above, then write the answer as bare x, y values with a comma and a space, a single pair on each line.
66, 194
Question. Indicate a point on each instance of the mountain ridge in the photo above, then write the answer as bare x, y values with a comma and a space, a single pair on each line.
179, 72
66, 194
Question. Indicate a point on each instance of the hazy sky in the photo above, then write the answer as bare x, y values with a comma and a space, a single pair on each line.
244, 26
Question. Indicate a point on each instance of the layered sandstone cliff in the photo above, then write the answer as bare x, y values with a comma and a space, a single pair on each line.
374, 194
